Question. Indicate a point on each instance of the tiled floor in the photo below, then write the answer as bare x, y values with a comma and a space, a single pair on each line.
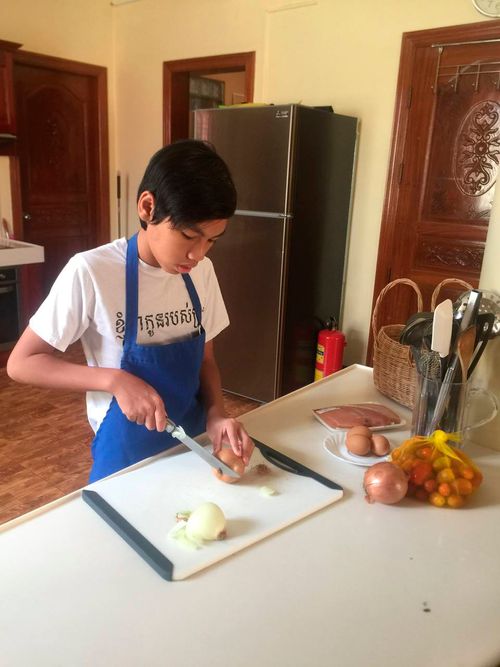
45, 443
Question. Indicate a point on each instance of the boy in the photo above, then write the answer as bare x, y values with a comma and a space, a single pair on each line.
146, 311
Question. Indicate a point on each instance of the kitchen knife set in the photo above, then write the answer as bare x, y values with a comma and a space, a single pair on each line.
447, 344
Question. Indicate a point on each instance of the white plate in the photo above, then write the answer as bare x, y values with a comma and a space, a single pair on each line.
317, 412
335, 445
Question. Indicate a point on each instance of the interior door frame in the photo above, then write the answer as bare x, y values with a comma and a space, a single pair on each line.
99, 74
176, 86
411, 41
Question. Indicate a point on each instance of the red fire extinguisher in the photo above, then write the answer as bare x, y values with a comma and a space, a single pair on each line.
330, 350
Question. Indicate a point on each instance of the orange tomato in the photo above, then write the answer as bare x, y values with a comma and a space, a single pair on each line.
455, 501
462, 486
445, 475
430, 485
444, 489
467, 472
437, 499
478, 478
441, 462
424, 452
421, 473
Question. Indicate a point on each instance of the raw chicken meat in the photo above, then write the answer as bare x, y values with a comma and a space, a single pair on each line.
358, 414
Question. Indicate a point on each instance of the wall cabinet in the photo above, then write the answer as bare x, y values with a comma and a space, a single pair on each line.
7, 111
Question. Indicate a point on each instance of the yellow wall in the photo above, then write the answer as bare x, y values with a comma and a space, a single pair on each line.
80, 30
321, 52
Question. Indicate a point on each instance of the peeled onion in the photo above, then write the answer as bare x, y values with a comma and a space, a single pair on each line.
206, 522
385, 483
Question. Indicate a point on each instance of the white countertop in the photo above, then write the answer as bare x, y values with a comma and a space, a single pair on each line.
17, 253
354, 584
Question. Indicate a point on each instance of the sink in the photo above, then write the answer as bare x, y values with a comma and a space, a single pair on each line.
16, 253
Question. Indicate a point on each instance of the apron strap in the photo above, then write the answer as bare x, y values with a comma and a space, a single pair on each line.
195, 299
132, 293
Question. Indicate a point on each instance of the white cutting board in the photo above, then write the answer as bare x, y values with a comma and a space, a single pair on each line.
150, 496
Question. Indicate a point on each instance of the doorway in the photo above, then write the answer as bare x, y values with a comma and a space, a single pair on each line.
61, 171
443, 166
180, 78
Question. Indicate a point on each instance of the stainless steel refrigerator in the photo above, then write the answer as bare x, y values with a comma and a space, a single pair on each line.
281, 262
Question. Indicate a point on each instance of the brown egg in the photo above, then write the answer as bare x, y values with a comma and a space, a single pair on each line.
359, 444
381, 445
359, 430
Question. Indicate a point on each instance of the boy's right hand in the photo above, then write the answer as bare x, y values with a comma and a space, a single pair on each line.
138, 401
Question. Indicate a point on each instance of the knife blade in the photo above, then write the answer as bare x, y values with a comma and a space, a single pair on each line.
179, 433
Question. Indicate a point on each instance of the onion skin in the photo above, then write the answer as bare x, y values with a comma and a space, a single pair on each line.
385, 483
227, 456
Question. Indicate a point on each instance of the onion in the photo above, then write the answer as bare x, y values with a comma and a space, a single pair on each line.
206, 522
227, 456
385, 483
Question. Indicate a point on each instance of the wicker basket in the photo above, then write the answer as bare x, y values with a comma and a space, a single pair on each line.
394, 372
447, 281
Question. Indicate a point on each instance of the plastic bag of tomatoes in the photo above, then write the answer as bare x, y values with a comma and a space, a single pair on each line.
438, 472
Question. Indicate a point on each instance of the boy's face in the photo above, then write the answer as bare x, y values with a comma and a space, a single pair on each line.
178, 250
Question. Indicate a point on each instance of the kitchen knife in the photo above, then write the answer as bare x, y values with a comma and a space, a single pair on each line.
284, 462
179, 433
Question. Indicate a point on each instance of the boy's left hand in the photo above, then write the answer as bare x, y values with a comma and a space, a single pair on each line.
227, 429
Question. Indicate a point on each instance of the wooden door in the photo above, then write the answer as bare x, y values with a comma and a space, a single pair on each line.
444, 162
176, 75
61, 112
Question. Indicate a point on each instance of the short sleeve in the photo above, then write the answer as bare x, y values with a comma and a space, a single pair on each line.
66, 312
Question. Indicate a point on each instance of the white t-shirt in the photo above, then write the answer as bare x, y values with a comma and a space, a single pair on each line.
87, 302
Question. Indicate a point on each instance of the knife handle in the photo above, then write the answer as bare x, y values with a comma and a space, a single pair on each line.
284, 462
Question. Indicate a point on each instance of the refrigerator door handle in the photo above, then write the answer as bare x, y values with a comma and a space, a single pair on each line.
263, 214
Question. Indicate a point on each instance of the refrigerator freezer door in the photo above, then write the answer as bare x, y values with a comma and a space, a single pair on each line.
255, 143
248, 263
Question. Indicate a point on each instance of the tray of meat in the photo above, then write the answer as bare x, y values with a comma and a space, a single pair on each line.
375, 416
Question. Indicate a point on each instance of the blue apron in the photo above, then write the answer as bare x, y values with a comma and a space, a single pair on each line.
172, 369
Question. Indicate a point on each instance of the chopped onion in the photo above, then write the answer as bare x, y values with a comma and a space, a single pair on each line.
385, 483
267, 491
206, 522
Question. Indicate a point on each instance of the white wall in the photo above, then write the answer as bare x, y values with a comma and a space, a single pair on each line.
324, 52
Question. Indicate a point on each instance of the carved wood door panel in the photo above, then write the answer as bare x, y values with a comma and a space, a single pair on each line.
63, 179
444, 163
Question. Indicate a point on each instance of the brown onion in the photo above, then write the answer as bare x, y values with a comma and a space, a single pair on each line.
385, 483
227, 456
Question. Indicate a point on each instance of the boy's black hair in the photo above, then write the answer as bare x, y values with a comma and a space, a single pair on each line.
190, 184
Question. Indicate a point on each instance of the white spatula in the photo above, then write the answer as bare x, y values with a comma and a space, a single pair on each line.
442, 325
